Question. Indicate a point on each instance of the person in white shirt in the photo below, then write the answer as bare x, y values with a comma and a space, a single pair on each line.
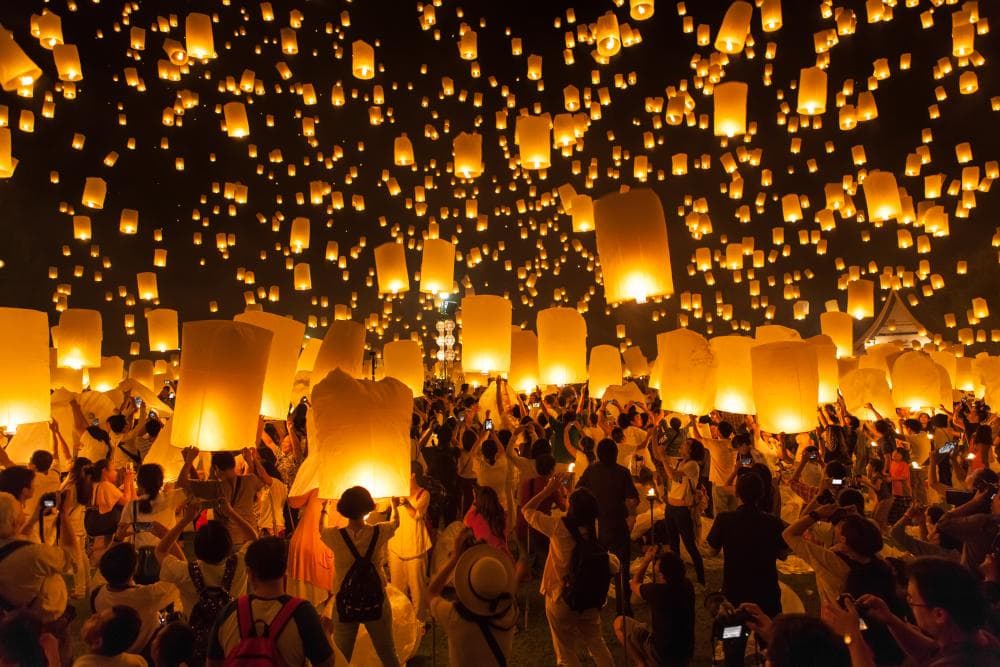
45, 488
108, 634
409, 546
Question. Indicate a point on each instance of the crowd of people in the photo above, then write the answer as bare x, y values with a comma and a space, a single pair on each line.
590, 500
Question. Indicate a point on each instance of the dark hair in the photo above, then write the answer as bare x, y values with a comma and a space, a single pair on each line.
355, 502
266, 558
725, 429
950, 586
913, 424
269, 462
99, 434
940, 421
983, 435
861, 535
15, 479
539, 447
20, 638
852, 498
696, 450
835, 470
617, 435
83, 485
740, 440
299, 419
120, 631
117, 423
118, 563
212, 542
272, 432
583, 510
624, 419
488, 506
672, 566
150, 480
545, 463
468, 440
42, 461
176, 645
764, 473
607, 451
489, 451
153, 427
223, 461
750, 489
798, 639
675, 423
96, 471
587, 446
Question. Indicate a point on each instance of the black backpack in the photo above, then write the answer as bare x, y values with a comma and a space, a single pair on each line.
361, 595
876, 577
586, 584
211, 601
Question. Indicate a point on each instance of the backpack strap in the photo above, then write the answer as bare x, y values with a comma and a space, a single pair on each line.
244, 617
236, 490
372, 545
229, 573
350, 545
354, 550
93, 598
492, 642
11, 547
196, 576
282, 618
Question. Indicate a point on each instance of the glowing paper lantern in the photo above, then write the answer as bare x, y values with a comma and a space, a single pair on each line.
467, 149
686, 371
141, 370
17, 70
730, 108
635, 362
67, 59
812, 91
343, 347
562, 346
632, 246
24, 362
486, 342
770, 15
281, 360
237, 123
609, 39
605, 369
94, 191
402, 151
223, 366
390, 267
641, 10
980, 308
785, 386
916, 384
533, 139
146, 283
582, 207
404, 360
437, 267
523, 375
867, 385
302, 277
839, 326
161, 325
882, 196
826, 363
733, 389
198, 36
861, 299
772, 333
79, 339
361, 438
735, 28
362, 60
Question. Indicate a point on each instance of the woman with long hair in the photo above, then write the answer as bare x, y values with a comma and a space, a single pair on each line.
488, 519
76, 489
409, 546
683, 502
106, 495
271, 500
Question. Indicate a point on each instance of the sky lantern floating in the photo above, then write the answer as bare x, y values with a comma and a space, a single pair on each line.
770, 15
362, 60
198, 36
641, 10
361, 438
882, 196
298, 237
785, 380
605, 369
437, 267
636, 363
861, 299
49, 29
863, 386
67, 59
141, 370
631, 235
17, 70
281, 361
812, 91
402, 151
302, 277
468, 45
82, 228
237, 123
223, 366
686, 372
390, 268
161, 327
829, 373
404, 361
70, 379
486, 337
107, 375
730, 114
609, 38
733, 389
916, 384
964, 379
735, 27
146, 283
582, 207
467, 149
24, 361
79, 339
839, 326
533, 139
980, 308
343, 347
523, 375
94, 191
562, 346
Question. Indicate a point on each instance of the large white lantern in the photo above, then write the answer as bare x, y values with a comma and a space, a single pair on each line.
863, 386
24, 363
916, 384
562, 346
404, 360
605, 369
486, 324
523, 375
343, 347
686, 371
285, 345
733, 388
79, 342
437, 267
161, 325
785, 386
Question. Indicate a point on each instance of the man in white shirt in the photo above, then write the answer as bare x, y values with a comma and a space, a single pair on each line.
108, 635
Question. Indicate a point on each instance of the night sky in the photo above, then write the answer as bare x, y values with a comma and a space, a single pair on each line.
37, 215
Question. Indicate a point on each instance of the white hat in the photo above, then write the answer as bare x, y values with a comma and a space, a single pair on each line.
484, 581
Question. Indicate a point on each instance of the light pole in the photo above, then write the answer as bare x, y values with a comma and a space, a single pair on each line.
445, 340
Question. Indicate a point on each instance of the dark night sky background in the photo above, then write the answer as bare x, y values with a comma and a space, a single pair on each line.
33, 231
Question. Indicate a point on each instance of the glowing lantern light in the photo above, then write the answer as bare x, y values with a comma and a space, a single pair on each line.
343, 347
146, 283
237, 123
49, 29
17, 70
605, 369
468, 45
826, 360
141, 370
632, 246
361, 438
735, 28
161, 327
785, 386
812, 91
582, 207
730, 108
302, 277
916, 384
533, 138
437, 267
733, 389
486, 337
79, 342
523, 375
403, 360
223, 366
980, 308
882, 196
562, 346
641, 10
282, 358
198, 36
298, 237
861, 299
108, 375
67, 59
24, 361
635, 362
362, 60
609, 38
94, 191
863, 386
686, 371
770, 15
402, 151
468, 152
773, 333
390, 267
839, 326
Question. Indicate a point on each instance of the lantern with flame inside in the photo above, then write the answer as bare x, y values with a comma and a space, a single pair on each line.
916, 384
363, 60
437, 267
533, 138
141, 370
107, 376
17, 70
632, 245
861, 299
79, 339
161, 325
826, 365
839, 326
468, 152
403, 360
286, 341
882, 196
735, 28
24, 361
812, 91
733, 388
562, 346
523, 375
223, 366
146, 283
605, 369
785, 379
635, 362
863, 386
582, 209
237, 123
686, 371
198, 36
609, 37
730, 108
390, 268
486, 325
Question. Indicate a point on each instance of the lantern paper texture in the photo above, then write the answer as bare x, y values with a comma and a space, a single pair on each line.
523, 375
733, 388
79, 342
686, 371
915, 382
635, 362
605, 369
161, 325
107, 376
839, 326
24, 363
343, 347
486, 325
390, 267
785, 379
562, 346
403, 360
437, 268
282, 358
866, 385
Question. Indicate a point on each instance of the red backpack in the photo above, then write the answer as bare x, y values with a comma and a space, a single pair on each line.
254, 651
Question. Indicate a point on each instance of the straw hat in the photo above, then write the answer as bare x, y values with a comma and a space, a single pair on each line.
484, 581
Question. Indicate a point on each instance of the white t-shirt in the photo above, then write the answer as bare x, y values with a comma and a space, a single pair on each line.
146, 600
164, 512
721, 464
120, 660
175, 571
271, 505
683, 491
